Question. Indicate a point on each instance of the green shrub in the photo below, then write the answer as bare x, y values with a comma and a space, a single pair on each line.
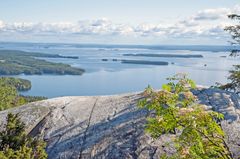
15, 144
197, 132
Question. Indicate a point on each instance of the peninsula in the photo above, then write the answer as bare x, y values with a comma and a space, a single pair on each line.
14, 62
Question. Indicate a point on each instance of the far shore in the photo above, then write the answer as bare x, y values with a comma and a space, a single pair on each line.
167, 55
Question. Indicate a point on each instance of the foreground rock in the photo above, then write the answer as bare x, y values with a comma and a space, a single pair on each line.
112, 126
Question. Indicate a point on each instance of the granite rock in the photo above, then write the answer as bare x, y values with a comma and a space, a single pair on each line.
112, 126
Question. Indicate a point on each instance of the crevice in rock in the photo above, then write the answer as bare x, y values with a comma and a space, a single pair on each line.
113, 127
39, 126
135, 142
85, 132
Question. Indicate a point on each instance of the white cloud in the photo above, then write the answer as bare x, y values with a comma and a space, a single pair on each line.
236, 9
212, 14
207, 23
1, 24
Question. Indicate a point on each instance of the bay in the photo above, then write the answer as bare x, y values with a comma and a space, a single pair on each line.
113, 77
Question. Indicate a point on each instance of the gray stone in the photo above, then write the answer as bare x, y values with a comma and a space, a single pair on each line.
113, 126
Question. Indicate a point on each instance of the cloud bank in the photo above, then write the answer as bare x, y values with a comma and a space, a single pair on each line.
207, 23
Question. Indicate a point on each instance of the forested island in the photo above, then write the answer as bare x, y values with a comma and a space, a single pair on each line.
166, 55
138, 62
144, 62
14, 62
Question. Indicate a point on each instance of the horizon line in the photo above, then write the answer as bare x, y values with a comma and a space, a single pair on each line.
101, 44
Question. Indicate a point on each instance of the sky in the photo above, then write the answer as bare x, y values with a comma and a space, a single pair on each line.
155, 22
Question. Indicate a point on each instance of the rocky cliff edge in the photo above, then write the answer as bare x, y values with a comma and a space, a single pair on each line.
112, 126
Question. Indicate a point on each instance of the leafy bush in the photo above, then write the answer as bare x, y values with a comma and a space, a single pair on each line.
197, 132
15, 144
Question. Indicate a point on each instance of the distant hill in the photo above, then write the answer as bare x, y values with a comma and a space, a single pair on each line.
214, 48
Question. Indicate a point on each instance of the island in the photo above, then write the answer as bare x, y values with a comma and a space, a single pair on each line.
138, 62
144, 62
15, 62
167, 55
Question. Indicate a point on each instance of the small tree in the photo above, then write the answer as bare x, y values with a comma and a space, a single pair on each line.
197, 132
234, 76
234, 31
15, 144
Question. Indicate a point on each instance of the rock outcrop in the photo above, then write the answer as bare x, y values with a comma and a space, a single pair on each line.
113, 126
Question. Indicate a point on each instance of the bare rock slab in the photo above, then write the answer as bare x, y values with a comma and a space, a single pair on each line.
112, 126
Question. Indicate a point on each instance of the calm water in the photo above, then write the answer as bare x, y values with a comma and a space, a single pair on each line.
109, 77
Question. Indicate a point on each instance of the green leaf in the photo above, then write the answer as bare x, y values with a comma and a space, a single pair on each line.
166, 87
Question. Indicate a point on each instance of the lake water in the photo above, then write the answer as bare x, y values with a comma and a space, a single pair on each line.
111, 77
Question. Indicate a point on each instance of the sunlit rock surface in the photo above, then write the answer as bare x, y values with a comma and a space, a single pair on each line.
112, 126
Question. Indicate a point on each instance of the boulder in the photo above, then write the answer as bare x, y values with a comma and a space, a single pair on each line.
113, 126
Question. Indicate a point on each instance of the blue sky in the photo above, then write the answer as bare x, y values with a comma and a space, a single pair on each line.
114, 21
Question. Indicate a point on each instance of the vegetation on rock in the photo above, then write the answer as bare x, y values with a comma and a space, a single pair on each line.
197, 131
15, 144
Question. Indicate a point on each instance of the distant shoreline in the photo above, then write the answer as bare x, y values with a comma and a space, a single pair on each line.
213, 48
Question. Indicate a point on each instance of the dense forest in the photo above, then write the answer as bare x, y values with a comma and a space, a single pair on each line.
9, 95
18, 83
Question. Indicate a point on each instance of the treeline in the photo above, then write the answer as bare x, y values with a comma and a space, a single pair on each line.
9, 95
19, 84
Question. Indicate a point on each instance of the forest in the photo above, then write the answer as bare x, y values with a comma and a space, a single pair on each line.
14, 62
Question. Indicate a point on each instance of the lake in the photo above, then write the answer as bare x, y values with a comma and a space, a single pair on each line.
113, 77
